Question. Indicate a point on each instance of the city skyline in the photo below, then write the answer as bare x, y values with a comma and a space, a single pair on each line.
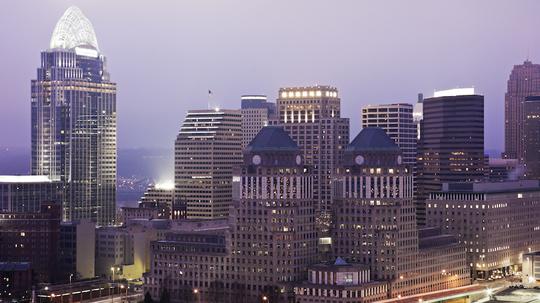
363, 56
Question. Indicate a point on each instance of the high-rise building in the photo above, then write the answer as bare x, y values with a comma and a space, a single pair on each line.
274, 239
397, 121
312, 117
74, 120
497, 222
207, 148
24, 194
375, 222
451, 147
256, 113
531, 137
524, 81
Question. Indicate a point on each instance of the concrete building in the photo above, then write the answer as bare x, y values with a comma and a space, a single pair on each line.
312, 117
375, 221
256, 114
207, 148
77, 249
156, 203
531, 269
451, 147
497, 222
274, 237
24, 194
524, 81
499, 170
531, 137
398, 122
33, 238
74, 120
340, 282
192, 261
123, 252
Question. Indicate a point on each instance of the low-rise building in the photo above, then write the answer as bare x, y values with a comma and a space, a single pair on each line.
497, 222
531, 268
33, 238
340, 282
77, 249
123, 252
191, 261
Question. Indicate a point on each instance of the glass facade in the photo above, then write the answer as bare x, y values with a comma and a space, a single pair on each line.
74, 130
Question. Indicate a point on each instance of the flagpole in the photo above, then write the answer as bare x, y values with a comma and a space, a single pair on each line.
209, 99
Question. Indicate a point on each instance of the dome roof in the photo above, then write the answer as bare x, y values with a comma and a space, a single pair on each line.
372, 139
272, 138
72, 30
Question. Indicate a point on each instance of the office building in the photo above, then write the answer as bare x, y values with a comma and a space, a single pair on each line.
312, 117
503, 170
340, 282
123, 252
375, 221
77, 250
74, 120
274, 239
33, 238
207, 148
398, 122
524, 81
192, 261
24, 194
256, 114
531, 137
531, 269
451, 147
497, 222
156, 203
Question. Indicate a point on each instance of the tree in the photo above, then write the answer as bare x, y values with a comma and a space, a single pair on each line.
148, 298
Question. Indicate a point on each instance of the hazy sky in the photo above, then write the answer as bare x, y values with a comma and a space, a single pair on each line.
165, 55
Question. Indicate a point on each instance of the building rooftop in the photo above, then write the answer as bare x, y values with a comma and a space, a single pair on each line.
73, 30
466, 91
272, 138
24, 179
492, 187
372, 139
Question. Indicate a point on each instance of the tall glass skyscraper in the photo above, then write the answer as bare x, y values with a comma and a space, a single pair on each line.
74, 120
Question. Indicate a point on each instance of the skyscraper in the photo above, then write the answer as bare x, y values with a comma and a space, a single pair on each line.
531, 137
451, 147
524, 81
397, 121
375, 222
274, 239
312, 117
207, 148
74, 120
256, 113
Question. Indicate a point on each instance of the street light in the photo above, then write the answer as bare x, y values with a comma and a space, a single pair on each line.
70, 289
265, 298
196, 292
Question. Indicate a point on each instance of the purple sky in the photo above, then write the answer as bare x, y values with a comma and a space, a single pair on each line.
165, 55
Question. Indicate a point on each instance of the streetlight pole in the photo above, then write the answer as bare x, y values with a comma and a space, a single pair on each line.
70, 289
112, 285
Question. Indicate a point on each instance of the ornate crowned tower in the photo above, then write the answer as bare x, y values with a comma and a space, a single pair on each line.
74, 120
